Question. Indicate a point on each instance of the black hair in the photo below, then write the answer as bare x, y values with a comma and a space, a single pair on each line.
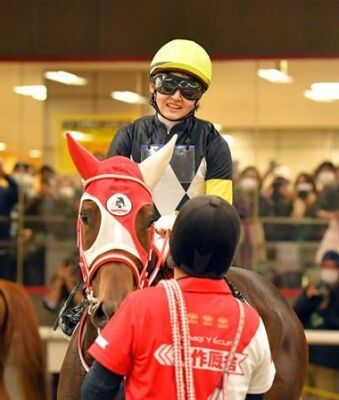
331, 255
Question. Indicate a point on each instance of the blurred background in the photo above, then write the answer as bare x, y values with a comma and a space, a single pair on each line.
83, 67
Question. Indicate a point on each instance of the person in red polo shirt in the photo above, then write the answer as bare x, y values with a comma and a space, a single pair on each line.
189, 337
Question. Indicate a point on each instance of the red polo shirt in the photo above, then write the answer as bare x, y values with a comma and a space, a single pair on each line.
137, 343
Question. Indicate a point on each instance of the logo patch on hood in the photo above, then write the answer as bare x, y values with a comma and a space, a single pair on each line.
119, 204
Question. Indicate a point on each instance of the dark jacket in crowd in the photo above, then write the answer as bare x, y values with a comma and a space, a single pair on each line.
328, 199
8, 199
312, 317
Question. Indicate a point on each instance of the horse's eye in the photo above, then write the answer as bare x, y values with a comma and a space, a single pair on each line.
151, 221
84, 217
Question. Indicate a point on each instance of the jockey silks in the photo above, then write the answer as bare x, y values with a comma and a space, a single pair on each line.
212, 158
180, 172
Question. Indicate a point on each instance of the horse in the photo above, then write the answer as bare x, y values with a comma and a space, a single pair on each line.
21, 344
111, 271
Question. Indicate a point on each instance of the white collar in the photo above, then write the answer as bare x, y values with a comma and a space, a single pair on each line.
169, 124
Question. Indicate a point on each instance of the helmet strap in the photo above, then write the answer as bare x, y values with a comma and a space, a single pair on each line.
153, 103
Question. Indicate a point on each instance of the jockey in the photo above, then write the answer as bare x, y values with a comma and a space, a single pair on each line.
189, 337
180, 73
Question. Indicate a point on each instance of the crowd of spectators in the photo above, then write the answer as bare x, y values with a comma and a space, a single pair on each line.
35, 205
318, 309
275, 194
42, 203
278, 210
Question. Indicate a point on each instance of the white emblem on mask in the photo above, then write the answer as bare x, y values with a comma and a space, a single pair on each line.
119, 204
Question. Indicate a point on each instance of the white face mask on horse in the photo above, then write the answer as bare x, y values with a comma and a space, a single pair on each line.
120, 188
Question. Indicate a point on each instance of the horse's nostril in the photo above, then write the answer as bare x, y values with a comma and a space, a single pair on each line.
109, 310
102, 314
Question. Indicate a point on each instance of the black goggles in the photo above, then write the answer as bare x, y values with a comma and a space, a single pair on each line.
190, 88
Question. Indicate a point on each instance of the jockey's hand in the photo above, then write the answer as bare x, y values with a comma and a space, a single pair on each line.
165, 223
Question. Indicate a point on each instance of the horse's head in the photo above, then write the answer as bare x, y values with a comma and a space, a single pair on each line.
115, 230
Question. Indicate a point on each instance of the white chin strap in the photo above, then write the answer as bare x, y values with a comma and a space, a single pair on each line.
112, 235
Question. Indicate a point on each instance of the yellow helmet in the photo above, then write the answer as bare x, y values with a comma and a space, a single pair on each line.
185, 56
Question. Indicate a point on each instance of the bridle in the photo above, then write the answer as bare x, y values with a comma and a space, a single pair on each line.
88, 271
142, 277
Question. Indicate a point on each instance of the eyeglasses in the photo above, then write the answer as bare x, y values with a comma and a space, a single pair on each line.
190, 88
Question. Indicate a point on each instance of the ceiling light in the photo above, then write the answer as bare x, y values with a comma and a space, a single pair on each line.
323, 92
276, 75
65, 77
317, 96
3, 146
331, 89
35, 153
128, 97
38, 92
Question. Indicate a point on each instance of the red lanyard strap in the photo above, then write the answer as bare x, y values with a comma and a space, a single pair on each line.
221, 388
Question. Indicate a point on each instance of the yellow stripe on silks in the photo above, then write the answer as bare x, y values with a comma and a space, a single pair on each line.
220, 187
322, 394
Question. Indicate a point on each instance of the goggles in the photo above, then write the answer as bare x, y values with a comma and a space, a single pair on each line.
190, 88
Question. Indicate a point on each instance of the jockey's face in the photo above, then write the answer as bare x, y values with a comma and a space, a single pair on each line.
173, 106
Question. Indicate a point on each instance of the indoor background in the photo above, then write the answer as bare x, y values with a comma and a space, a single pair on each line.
262, 121
110, 44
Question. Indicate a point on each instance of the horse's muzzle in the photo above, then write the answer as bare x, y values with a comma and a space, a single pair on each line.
102, 312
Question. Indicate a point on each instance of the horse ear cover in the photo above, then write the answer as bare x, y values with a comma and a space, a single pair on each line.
151, 169
84, 161
154, 166
205, 237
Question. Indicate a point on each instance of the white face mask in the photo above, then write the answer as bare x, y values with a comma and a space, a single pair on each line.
25, 181
304, 187
329, 276
248, 184
326, 178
